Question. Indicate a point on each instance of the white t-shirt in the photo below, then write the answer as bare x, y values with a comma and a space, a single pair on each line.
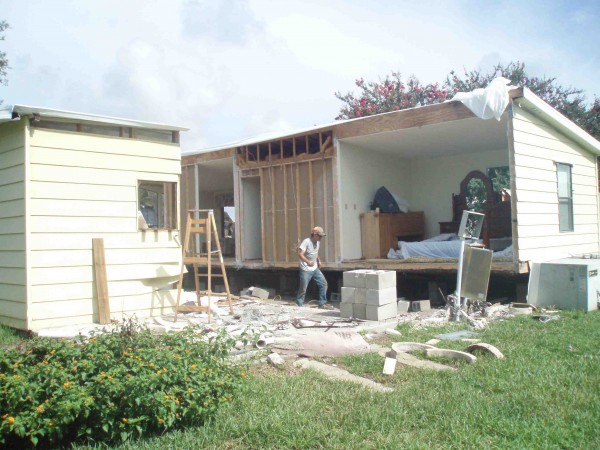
311, 251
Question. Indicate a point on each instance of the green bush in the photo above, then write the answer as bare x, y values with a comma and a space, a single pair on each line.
113, 386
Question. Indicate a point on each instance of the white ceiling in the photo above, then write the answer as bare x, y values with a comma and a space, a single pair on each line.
216, 175
447, 138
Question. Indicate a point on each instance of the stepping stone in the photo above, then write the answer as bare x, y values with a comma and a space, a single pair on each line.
340, 374
406, 359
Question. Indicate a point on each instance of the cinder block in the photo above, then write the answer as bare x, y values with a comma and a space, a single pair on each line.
360, 295
258, 292
348, 278
346, 310
380, 279
403, 306
381, 312
420, 305
379, 297
348, 294
359, 311
335, 297
360, 278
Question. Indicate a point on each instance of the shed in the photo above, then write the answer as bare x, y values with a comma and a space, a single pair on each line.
70, 179
282, 184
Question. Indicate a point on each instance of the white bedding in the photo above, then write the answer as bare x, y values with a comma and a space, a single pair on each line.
443, 246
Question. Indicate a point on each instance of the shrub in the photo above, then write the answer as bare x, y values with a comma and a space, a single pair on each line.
113, 386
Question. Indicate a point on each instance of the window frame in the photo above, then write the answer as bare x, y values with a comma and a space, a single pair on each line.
565, 202
163, 197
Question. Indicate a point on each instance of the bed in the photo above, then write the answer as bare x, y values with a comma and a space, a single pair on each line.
497, 226
445, 245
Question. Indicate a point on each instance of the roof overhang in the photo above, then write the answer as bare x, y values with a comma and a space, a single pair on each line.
547, 113
12, 112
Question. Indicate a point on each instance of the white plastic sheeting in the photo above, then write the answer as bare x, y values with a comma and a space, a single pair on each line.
489, 102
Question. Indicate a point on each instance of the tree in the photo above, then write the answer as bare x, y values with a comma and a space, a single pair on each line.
3, 60
391, 94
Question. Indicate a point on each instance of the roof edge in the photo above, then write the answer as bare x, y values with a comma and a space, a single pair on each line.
24, 110
539, 107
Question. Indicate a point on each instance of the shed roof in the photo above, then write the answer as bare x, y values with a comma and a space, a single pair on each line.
11, 112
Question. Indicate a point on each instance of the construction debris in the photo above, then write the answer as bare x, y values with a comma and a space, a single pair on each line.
340, 374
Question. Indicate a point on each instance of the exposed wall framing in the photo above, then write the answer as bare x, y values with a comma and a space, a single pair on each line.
297, 192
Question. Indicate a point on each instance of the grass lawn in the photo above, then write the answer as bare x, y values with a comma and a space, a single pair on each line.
544, 394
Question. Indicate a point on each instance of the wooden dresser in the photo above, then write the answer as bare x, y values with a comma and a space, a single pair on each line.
382, 231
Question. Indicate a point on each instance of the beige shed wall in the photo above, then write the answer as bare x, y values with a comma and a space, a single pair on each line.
13, 290
84, 187
537, 147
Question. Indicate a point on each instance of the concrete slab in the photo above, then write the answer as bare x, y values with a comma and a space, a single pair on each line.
453, 354
484, 348
339, 374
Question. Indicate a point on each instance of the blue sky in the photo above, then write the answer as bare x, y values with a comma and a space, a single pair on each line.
239, 68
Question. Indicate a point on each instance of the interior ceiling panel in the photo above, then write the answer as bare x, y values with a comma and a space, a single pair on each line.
216, 175
447, 138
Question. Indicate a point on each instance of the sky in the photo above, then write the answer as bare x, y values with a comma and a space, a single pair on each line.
233, 69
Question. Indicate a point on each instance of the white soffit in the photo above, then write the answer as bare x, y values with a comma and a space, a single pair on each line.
472, 135
540, 108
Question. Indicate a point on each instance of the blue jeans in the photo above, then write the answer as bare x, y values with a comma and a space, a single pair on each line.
305, 277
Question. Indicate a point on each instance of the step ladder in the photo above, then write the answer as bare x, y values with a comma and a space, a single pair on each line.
201, 224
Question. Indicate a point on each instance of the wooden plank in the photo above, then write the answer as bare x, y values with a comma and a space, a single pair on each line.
273, 234
262, 216
92, 176
14, 174
197, 158
285, 213
311, 193
325, 221
397, 120
100, 281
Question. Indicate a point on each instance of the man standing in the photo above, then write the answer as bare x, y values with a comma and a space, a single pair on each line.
310, 265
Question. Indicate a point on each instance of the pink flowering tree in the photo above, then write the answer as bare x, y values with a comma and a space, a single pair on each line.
392, 94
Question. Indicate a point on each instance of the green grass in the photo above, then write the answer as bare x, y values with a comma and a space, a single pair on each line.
9, 337
544, 394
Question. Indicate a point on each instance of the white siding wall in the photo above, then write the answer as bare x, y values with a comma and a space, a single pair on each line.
84, 187
537, 147
13, 292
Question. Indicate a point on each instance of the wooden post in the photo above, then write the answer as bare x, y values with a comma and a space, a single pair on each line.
100, 281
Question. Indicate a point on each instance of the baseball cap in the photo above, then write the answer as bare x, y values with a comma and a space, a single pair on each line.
319, 231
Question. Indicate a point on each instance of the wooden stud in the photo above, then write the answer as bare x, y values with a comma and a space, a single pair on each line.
262, 216
285, 214
311, 194
273, 234
100, 280
297, 185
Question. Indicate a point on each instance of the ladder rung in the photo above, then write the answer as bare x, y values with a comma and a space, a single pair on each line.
212, 275
194, 260
192, 308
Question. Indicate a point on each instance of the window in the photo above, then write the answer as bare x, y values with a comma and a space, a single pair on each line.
500, 177
157, 201
565, 197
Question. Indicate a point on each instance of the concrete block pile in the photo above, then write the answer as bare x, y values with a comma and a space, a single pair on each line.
369, 295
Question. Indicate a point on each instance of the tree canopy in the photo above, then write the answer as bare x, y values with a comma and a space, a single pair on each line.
3, 59
392, 93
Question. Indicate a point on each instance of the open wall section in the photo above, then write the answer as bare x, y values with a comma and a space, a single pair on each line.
13, 269
362, 172
297, 190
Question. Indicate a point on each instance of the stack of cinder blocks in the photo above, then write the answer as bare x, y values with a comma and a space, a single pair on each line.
369, 294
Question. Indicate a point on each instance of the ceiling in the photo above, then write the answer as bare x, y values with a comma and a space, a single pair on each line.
216, 175
447, 138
